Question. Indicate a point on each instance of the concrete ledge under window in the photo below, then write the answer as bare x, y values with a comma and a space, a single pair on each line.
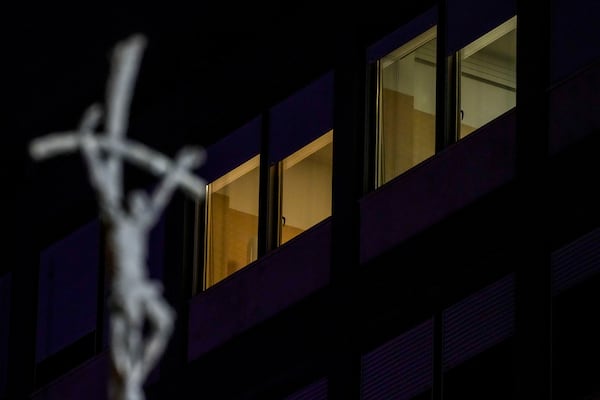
441, 185
260, 290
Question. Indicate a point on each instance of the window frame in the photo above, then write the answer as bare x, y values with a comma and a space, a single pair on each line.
499, 31
203, 217
311, 113
377, 67
447, 86
327, 139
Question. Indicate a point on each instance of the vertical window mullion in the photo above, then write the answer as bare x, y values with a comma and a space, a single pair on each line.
457, 95
199, 245
378, 125
275, 215
371, 151
200, 254
206, 239
486, 83
447, 83
268, 201
453, 99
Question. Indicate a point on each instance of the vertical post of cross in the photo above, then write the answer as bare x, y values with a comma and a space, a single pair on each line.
125, 63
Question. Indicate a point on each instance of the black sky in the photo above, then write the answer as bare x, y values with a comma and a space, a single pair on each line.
208, 68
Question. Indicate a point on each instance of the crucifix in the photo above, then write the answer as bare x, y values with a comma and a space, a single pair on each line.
141, 321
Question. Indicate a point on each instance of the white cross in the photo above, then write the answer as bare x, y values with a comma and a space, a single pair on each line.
134, 299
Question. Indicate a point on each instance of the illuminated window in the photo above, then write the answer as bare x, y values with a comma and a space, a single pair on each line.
306, 187
232, 222
406, 109
488, 77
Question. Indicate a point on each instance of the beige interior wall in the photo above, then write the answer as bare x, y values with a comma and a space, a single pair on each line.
306, 193
243, 192
409, 134
289, 232
465, 130
482, 102
233, 238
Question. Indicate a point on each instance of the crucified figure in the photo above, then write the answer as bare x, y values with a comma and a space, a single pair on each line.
141, 321
134, 298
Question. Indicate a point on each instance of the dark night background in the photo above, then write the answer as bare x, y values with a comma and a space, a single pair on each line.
207, 69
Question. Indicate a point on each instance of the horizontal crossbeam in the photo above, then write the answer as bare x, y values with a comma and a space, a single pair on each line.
134, 152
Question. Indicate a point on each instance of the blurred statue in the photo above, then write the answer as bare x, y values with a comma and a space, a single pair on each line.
141, 321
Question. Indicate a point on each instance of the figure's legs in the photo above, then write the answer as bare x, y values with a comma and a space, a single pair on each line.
127, 376
134, 354
160, 316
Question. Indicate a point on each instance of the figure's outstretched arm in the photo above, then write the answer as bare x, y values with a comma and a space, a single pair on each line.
186, 160
100, 178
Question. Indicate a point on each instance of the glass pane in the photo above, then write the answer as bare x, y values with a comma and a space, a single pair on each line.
232, 222
406, 129
488, 70
306, 187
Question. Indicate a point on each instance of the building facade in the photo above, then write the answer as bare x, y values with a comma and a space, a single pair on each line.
419, 222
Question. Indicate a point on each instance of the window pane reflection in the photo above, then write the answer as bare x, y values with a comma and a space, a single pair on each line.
232, 222
306, 187
488, 77
406, 126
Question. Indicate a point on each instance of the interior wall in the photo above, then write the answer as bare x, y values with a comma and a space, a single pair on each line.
306, 192
482, 102
409, 134
414, 75
233, 239
243, 192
